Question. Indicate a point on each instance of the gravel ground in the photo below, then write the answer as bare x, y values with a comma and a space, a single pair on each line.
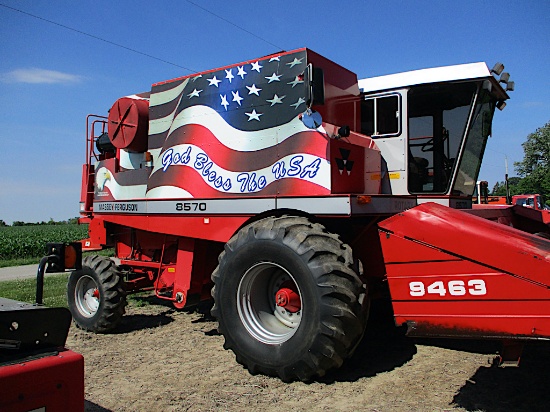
165, 360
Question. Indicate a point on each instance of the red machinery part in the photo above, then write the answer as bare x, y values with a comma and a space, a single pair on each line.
453, 274
54, 382
128, 124
481, 240
287, 297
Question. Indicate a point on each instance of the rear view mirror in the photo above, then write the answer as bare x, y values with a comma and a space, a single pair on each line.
316, 82
311, 119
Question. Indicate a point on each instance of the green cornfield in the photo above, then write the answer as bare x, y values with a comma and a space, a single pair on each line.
19, 242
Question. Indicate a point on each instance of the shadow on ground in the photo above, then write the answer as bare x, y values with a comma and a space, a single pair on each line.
383, 348
149, 298
132, 323
93, 407
519, 389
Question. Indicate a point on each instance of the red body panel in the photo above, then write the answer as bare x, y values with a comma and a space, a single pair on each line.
537, 215
340, 89
215, 228
479, 239
54, 382
453, 274
523, 218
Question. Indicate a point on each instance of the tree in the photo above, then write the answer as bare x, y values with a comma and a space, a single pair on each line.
534, 169
499, 189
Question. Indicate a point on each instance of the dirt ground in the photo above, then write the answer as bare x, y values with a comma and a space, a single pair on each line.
160, 359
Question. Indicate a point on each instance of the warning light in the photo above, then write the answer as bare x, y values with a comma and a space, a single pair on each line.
64, 256
363, 200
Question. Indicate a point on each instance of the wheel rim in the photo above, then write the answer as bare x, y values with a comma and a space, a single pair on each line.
256, 303
87, 296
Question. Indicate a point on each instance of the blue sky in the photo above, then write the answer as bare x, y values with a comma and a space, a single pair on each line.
52, 77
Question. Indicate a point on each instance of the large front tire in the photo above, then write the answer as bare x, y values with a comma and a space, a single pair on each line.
96, 295
288, 298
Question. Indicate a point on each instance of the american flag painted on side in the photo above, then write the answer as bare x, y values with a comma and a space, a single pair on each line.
236, 131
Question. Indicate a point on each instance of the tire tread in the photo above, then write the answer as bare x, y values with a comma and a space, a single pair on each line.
114, 302
331, 262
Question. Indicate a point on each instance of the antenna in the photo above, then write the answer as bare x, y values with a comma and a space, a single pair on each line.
508, 197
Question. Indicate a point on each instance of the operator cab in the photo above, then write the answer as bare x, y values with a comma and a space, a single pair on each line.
431, 127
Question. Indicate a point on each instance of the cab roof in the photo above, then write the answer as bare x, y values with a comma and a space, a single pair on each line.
469, 71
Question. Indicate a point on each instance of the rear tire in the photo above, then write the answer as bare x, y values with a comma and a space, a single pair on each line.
292, 342
96, 295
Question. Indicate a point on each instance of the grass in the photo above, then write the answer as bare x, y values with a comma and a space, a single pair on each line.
24, 290
55, 291
4, 263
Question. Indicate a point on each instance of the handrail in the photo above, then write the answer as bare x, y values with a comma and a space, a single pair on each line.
91, 121
40, 278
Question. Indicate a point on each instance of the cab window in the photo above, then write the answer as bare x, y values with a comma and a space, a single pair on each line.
380, 115
438, 116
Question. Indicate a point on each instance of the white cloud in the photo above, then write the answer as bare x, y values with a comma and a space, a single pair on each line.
36, 76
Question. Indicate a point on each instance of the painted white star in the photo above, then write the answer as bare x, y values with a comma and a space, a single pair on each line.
296, 81
241, 72
253, 115
298, 103
295, 62
229, 75
214, 81
194, 93
275, 59
276, 100
236, 97
274, 78
224, 101
253, 90
256, 66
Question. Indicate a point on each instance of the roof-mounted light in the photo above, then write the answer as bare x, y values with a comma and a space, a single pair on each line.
497, 69
501, 105
504, 78
510, 86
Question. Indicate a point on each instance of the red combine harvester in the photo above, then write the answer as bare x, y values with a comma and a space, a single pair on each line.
302, 194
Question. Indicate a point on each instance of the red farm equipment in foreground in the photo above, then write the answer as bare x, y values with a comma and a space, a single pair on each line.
37, 372
294, 194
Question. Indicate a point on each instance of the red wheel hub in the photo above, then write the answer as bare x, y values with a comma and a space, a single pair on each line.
95, 294
288, 298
